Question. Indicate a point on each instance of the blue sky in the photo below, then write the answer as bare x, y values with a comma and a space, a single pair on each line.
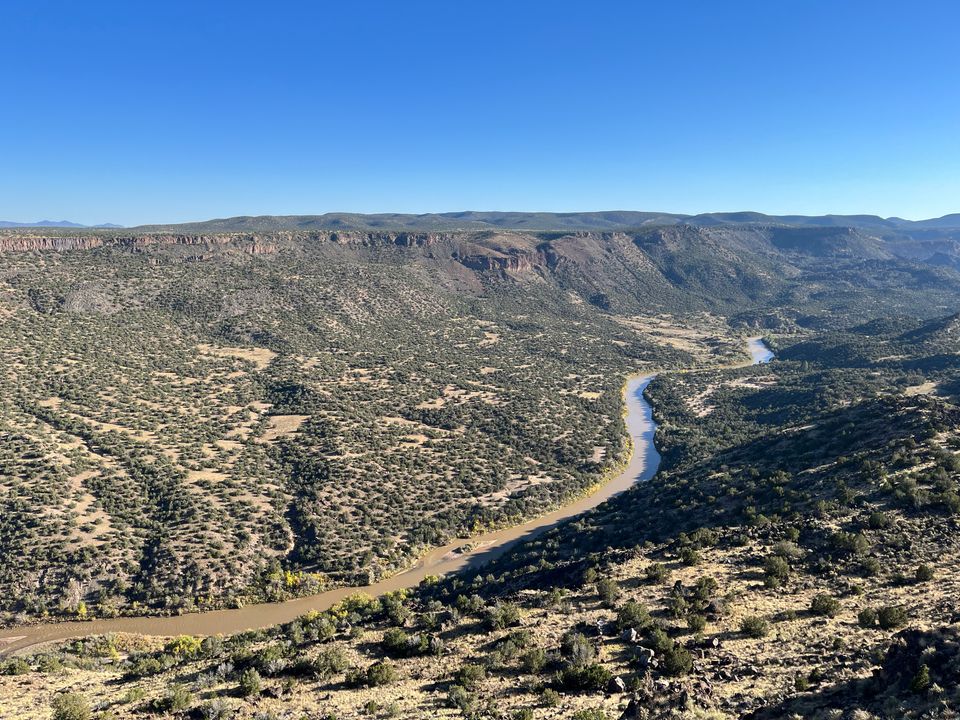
136, 112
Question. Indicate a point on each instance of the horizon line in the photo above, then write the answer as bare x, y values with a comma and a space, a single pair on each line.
105, 225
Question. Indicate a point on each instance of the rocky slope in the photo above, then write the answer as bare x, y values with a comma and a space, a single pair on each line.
796, 557
681, 266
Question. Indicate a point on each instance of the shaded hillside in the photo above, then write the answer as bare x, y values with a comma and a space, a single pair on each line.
183, 416
757, 442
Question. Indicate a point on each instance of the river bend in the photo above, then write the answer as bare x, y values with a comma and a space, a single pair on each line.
443, 560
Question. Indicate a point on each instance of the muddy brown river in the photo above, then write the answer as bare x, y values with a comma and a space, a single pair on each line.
440, 561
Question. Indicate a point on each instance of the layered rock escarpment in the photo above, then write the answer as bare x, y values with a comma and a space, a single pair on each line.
477, 251
622, 272
31, 242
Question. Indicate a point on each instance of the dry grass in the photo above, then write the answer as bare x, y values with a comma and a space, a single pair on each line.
260, 357
281, 425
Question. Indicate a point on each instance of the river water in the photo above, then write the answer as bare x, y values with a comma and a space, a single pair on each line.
440, 561
759, 351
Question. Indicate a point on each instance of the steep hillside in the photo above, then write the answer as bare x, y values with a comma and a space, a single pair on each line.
183, 416
725, 269
797, 555
197, 421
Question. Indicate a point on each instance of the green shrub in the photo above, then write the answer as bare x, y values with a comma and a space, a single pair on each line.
823, 604
689, 556
705, 588
584, 678
921, 681
71, 706
867, 618
678, 605
271, 659
471, 676
633, 615
550, 697
250, 684
395, 641
590, 714
577, 649
510, 647
951, 501
554, 597
659, 640
608, 590
50, 664
16, 666
703, 537
175, 699
656, 573
144, 667
853, 544
330, 661
470, 604
696, 623
788, 550
871, 567
393, 605
462, 699
216, 709
211, 645
533, 660
400, 644
754, 626
134, 694
677, 660
924, 573
892, 616
776, 571
502, 616
381, 673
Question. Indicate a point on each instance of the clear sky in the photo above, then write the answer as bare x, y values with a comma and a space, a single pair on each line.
135, 112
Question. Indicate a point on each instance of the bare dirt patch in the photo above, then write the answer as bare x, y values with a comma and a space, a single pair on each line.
489, 338
280, 425
260, 357
927, 388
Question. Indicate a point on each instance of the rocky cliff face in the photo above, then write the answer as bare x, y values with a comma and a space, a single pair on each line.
31, 242
27, 243
477, 251
623, 272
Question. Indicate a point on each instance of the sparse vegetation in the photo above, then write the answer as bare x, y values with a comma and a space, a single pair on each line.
71, 706
200, 434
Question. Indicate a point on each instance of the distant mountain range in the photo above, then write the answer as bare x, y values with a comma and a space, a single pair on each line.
544, 221
55, 224
612, 220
